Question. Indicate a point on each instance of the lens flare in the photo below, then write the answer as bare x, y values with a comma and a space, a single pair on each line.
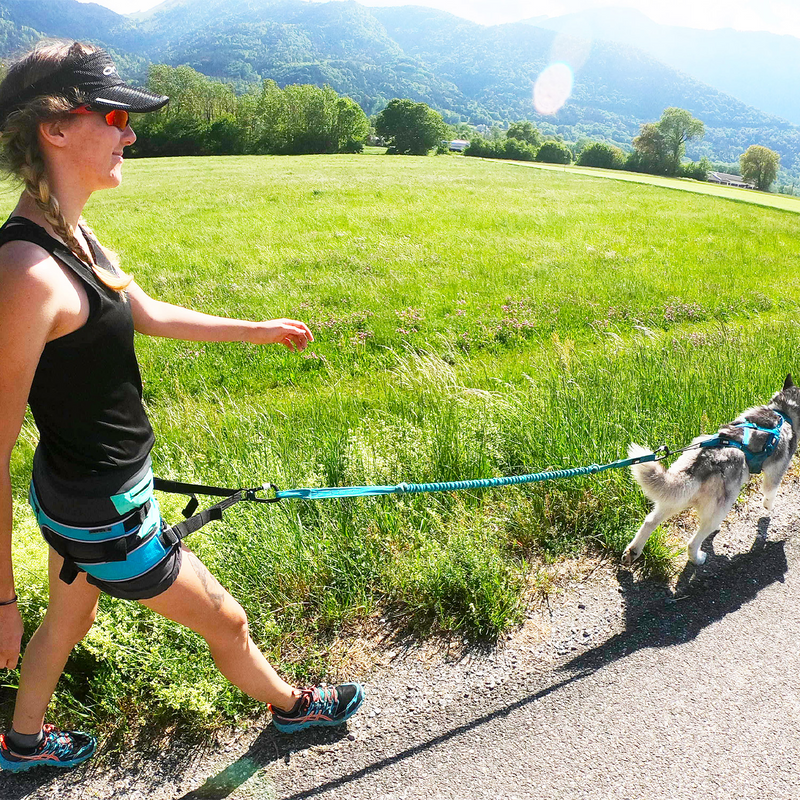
553, 88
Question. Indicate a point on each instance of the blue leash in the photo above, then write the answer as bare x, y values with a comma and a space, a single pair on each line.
232, 496
457, 486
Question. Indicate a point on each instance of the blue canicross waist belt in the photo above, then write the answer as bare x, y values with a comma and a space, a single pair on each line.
101, 548
755, 459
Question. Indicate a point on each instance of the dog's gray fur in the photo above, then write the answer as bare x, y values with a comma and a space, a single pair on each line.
709, 480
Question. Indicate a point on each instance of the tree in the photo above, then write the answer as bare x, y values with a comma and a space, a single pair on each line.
410, 128
524, 131
554, 153
678, 126
759, 165
649, 151
351, 127
206, 117
600, 154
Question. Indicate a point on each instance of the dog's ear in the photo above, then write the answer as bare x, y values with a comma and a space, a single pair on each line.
788, 383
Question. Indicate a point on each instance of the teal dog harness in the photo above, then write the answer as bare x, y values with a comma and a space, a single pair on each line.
749, 431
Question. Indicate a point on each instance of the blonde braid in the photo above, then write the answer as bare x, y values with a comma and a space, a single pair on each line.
36, 185
111, 255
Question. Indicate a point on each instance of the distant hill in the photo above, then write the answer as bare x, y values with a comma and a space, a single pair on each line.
616, 90
761, 69
467, 71
23, 22
69, 19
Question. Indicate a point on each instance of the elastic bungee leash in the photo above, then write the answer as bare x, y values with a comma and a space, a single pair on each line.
194, 522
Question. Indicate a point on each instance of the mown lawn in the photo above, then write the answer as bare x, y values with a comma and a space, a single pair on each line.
471, 320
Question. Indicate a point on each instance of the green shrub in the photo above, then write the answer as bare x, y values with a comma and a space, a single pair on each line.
483, 148
699, 170
512, 149
554, 153
600, 154
518, 150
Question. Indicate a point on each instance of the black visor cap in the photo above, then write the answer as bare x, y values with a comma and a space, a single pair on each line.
96, 79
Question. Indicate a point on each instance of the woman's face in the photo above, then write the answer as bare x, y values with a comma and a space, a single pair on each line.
93, 150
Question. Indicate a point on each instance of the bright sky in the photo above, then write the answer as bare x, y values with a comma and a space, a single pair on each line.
778, 16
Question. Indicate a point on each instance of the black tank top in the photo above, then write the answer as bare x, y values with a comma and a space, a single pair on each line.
86, 395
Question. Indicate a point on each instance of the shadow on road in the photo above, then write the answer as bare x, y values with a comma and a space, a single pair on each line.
434, 741
271, 746
703, 595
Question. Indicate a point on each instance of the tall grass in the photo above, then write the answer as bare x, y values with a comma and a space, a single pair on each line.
471, 321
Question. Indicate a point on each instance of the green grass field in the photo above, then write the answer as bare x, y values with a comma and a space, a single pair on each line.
472, 320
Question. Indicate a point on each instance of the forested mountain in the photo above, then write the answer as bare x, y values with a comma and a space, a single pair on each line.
467, 71
760, 68
616, 89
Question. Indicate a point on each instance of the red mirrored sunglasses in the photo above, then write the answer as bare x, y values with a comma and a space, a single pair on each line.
118, 117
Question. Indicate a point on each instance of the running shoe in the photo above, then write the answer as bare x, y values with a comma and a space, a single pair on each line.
57, 749
323, 705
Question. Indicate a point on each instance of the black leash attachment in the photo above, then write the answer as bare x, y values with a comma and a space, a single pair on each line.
194, 522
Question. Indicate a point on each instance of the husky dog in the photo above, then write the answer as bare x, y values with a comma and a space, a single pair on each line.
710, 479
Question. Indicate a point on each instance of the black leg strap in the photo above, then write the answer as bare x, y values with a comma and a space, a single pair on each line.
69, 571
196, 521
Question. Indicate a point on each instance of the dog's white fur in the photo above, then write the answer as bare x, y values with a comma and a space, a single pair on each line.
709, 480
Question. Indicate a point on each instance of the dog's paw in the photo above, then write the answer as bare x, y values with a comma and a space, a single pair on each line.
698, 558
769, 502
629, 556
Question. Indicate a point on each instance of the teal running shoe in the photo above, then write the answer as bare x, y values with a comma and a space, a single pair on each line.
328, 706
57, 749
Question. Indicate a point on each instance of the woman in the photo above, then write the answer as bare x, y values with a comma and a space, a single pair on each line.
67, 317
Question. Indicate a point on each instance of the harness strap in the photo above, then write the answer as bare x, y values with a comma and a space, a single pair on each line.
194, 521
755, 460
69, 571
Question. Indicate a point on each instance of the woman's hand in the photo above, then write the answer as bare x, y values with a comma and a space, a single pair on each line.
290, 333
10, 636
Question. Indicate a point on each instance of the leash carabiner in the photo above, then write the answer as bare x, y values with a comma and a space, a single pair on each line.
252, 494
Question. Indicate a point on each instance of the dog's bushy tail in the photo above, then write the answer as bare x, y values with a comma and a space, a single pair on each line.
658, 484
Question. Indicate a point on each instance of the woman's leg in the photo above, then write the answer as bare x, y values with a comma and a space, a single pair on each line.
198, 601
70, 614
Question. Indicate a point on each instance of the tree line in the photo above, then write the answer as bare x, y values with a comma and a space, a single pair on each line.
659, 149
207, 117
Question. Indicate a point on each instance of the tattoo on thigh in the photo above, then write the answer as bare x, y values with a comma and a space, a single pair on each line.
216, 594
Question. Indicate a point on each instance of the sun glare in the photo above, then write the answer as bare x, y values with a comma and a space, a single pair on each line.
553, 88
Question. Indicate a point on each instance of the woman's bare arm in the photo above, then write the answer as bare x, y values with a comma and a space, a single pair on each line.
155, 318
30, 312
